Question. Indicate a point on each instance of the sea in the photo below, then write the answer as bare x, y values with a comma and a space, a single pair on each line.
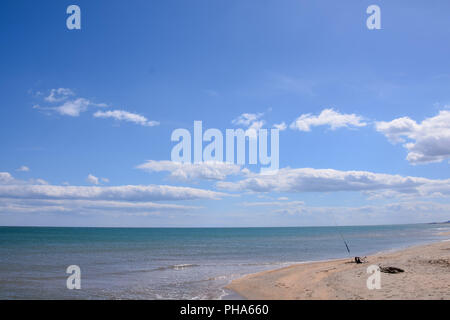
176, 263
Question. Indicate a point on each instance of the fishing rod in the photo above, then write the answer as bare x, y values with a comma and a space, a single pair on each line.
342, 237
345, 242
357, 259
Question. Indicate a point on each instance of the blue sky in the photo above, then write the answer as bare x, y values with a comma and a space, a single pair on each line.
135, 72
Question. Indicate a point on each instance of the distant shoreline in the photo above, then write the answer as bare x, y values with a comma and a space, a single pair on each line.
426, 276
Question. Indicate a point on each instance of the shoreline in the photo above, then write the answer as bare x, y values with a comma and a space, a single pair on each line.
426, 276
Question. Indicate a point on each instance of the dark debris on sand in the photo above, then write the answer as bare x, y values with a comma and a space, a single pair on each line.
391, 270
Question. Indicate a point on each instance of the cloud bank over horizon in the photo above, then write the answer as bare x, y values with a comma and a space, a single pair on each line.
426, 142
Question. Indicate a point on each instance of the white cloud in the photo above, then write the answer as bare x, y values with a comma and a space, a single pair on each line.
37, 181
60, 94
95, 180
279, 207
247, 119
84, 207
72, 108
126, 193
40, 189
256, 125
428, 141
252, 122
69, 104
328, 117
122, 115
397, 212
192, 171
329, 180
6, 177
280, 126
92, 179
18, 196
273, 204
75, 106
23, 169
396, 129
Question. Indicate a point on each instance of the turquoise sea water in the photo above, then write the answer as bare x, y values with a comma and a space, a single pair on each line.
166, 263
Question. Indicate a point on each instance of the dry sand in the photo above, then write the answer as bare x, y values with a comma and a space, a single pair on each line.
426, 276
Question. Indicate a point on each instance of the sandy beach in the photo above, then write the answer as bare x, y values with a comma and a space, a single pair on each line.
426, 276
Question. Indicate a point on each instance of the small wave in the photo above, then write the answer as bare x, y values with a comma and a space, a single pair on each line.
223, 277
178, 267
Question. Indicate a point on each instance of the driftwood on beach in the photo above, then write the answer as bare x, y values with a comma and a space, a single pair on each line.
391, 270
